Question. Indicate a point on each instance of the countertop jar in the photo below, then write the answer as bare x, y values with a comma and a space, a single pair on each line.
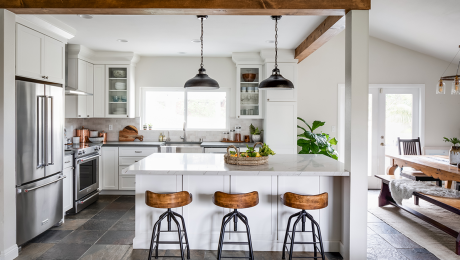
237, 134
231, 136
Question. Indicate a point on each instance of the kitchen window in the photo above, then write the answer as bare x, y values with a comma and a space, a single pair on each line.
169, 108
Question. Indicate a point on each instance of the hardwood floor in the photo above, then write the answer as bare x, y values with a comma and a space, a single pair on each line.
105, 230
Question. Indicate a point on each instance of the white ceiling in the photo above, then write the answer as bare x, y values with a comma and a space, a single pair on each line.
428, 26
169, 35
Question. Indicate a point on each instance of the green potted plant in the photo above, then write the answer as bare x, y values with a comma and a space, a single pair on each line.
145, 126
454, 152
312, 143
150, 126
255, 133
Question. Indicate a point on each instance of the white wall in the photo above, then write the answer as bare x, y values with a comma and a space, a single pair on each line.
8, 247
175, 71
320, 73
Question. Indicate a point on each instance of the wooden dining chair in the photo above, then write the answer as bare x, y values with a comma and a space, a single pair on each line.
413, 147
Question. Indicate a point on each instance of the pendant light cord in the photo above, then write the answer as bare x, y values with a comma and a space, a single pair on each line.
276, 43
451, 63
201, 38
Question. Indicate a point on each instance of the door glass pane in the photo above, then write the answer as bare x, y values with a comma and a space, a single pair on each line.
398, 121
369, 140
118, 93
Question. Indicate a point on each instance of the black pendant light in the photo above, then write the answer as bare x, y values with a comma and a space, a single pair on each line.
276, 81
201, 80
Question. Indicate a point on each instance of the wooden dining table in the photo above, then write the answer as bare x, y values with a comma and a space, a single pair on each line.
436, 166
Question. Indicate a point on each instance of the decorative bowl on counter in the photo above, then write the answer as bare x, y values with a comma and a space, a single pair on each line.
119, 73
96, 140
249, 77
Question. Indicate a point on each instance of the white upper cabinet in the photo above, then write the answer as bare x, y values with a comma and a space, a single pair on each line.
280, 126
39, 56
119, 96
99, 91
89, 89
248, 96
54, 60
288, 71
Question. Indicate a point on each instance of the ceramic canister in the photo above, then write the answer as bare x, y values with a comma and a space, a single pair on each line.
454, 155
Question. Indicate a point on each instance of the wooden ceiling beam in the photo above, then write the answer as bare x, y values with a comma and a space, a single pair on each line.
186, 7
330, 27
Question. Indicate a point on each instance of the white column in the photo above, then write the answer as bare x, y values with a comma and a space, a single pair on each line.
354, 230
8, 247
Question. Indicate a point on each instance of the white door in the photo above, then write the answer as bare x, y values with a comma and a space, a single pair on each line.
54, 60
399, 116
29, 53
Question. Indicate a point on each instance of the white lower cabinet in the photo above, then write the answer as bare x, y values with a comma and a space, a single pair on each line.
67, 197
114, 160
109, 162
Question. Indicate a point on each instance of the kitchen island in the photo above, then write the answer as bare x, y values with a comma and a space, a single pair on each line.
204, 174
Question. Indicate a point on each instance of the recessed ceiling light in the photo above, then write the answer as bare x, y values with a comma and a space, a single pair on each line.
270, 41
85, 16
196, 40
122, 40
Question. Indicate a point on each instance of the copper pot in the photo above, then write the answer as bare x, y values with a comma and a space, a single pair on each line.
83, 134
103, 134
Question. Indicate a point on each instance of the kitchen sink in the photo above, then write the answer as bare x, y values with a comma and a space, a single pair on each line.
186, 147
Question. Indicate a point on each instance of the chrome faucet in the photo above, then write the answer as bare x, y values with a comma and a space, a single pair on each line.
185, 133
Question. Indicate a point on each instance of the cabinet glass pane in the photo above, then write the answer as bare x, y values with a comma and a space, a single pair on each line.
118, 93
249, 91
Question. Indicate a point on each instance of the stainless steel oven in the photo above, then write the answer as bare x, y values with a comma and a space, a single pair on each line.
86, 176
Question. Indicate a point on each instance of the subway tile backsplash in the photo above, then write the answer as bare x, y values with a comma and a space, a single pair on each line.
102, 124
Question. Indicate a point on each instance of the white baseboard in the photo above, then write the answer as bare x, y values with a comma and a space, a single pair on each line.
117, 192
10, 253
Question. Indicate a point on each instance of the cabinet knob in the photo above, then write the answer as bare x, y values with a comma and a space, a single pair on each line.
79, 115
46, 77
43, 77
238, 116
87, 116
127, 116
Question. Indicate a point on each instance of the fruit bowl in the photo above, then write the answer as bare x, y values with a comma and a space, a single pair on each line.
249, 77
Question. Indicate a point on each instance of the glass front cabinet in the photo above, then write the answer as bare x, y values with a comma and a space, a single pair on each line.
248, 96
118, 91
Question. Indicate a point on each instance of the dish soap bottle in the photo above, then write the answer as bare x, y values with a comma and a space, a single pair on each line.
160, 138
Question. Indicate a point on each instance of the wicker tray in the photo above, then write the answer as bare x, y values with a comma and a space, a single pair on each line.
249, 161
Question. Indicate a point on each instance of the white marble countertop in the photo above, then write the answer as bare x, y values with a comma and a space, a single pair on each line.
209, 164
224, 144
136, 143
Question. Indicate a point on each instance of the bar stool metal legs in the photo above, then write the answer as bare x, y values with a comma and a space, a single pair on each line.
169, 215
317, 239
235, 215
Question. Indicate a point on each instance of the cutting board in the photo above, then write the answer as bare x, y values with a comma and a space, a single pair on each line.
129, 134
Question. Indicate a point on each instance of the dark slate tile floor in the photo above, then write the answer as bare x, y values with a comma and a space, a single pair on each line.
105, 230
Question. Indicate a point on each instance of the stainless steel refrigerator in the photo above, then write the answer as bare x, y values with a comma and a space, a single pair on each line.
39, 157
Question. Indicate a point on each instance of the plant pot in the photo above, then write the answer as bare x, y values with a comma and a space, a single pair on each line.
454, 155
150, 128
145, 127
256, 138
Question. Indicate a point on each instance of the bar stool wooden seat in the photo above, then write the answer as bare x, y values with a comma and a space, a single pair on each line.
304, 202
168, 201
235, 202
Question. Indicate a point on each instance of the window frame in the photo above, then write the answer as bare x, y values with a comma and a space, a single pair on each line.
185, 91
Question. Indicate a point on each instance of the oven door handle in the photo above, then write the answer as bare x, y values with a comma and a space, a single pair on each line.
82, 160
83, 201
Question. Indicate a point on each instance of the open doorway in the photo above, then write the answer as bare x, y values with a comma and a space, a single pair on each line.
395, 110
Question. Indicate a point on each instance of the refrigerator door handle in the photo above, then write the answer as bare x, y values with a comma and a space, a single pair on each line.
40, 132
46, 184
49, 131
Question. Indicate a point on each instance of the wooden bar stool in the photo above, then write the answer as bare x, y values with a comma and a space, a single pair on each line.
235, 202
304, 202
168, 201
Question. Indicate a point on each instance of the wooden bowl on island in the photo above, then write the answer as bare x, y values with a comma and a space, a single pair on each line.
249, 77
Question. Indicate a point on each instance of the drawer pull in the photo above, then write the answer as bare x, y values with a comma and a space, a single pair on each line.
135, 161
138, 151
67, 162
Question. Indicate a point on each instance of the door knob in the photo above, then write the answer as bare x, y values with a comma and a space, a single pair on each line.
382, 144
